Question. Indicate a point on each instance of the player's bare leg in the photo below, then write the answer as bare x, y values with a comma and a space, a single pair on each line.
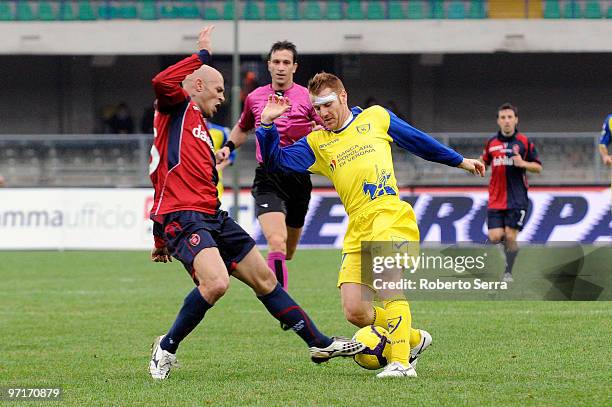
293, 238
254, 271
213, 282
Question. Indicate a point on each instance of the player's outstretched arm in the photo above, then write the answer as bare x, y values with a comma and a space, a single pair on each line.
421, 143
167, 83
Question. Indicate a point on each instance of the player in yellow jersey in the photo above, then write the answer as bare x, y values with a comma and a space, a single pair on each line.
219, 136
354, 152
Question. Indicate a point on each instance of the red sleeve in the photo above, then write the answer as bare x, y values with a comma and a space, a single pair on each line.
486, 157
532, 153
247, 120
167, 83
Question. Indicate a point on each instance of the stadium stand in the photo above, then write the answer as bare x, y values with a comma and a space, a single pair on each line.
275, 10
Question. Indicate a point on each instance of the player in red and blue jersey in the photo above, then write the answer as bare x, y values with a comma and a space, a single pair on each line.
188, 223
281, 200
510, 154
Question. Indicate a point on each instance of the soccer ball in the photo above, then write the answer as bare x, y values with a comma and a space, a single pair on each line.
378, 347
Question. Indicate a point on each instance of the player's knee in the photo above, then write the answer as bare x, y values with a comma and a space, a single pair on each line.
277, 243
213, 290
264, 281
357, 316
496, 238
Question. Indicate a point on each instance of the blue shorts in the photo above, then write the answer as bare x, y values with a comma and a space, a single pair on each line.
501, 218
188, 232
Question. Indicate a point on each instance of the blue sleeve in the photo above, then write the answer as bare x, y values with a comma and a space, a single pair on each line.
606, 133
297, 157
420, 143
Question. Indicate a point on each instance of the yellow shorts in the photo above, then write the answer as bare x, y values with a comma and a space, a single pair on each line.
394, 222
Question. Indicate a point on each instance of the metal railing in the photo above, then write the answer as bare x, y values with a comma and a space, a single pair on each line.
96, 160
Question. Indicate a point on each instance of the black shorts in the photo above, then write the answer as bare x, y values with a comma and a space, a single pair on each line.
288, 193
501, 218
188, 232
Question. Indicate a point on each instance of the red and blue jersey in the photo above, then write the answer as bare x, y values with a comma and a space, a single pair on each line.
508, 185
606, 132
182, 165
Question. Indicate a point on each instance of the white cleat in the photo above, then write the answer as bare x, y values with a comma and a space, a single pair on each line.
508, 278
420, 348
339, 347
396, 369
161, 361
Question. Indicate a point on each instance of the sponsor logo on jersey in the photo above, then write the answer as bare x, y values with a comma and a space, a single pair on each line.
503, 160
329, 143
201, 133
332, 165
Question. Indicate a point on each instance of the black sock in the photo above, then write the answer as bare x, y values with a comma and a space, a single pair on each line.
190, 315
286, 310
510, 258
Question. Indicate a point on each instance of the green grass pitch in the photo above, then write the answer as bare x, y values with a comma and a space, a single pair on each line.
85, 321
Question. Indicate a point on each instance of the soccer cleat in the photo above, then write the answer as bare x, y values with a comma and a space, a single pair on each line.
396, 369
161, 361
420, 348
339, 347
508, 278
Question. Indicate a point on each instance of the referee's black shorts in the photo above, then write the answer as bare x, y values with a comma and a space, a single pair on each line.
288, 193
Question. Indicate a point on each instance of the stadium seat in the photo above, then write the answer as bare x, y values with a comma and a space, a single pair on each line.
437, 9
477, 9
396, 10
211, 13
416, 10
572, 10
292, 10
128, 12
251, 11
45, 11
148, 10
375, 10
228, 10
552, 9
334, 10
6, 13
609, 15
592, 9
456, 10
189, 10
24, 11
354, 10
86, 11
272, 10
312, 10
168, 11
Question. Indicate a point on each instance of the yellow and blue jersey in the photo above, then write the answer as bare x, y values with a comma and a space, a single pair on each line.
357, 158
606, 133
219, 136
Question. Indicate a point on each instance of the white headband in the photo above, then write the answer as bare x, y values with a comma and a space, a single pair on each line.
318, 100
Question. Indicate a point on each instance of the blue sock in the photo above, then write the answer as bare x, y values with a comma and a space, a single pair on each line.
284, 308
190, 315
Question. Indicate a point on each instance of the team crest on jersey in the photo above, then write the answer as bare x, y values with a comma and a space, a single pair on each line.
363, 128
194, 239
195, 107
332, 165
379, 187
